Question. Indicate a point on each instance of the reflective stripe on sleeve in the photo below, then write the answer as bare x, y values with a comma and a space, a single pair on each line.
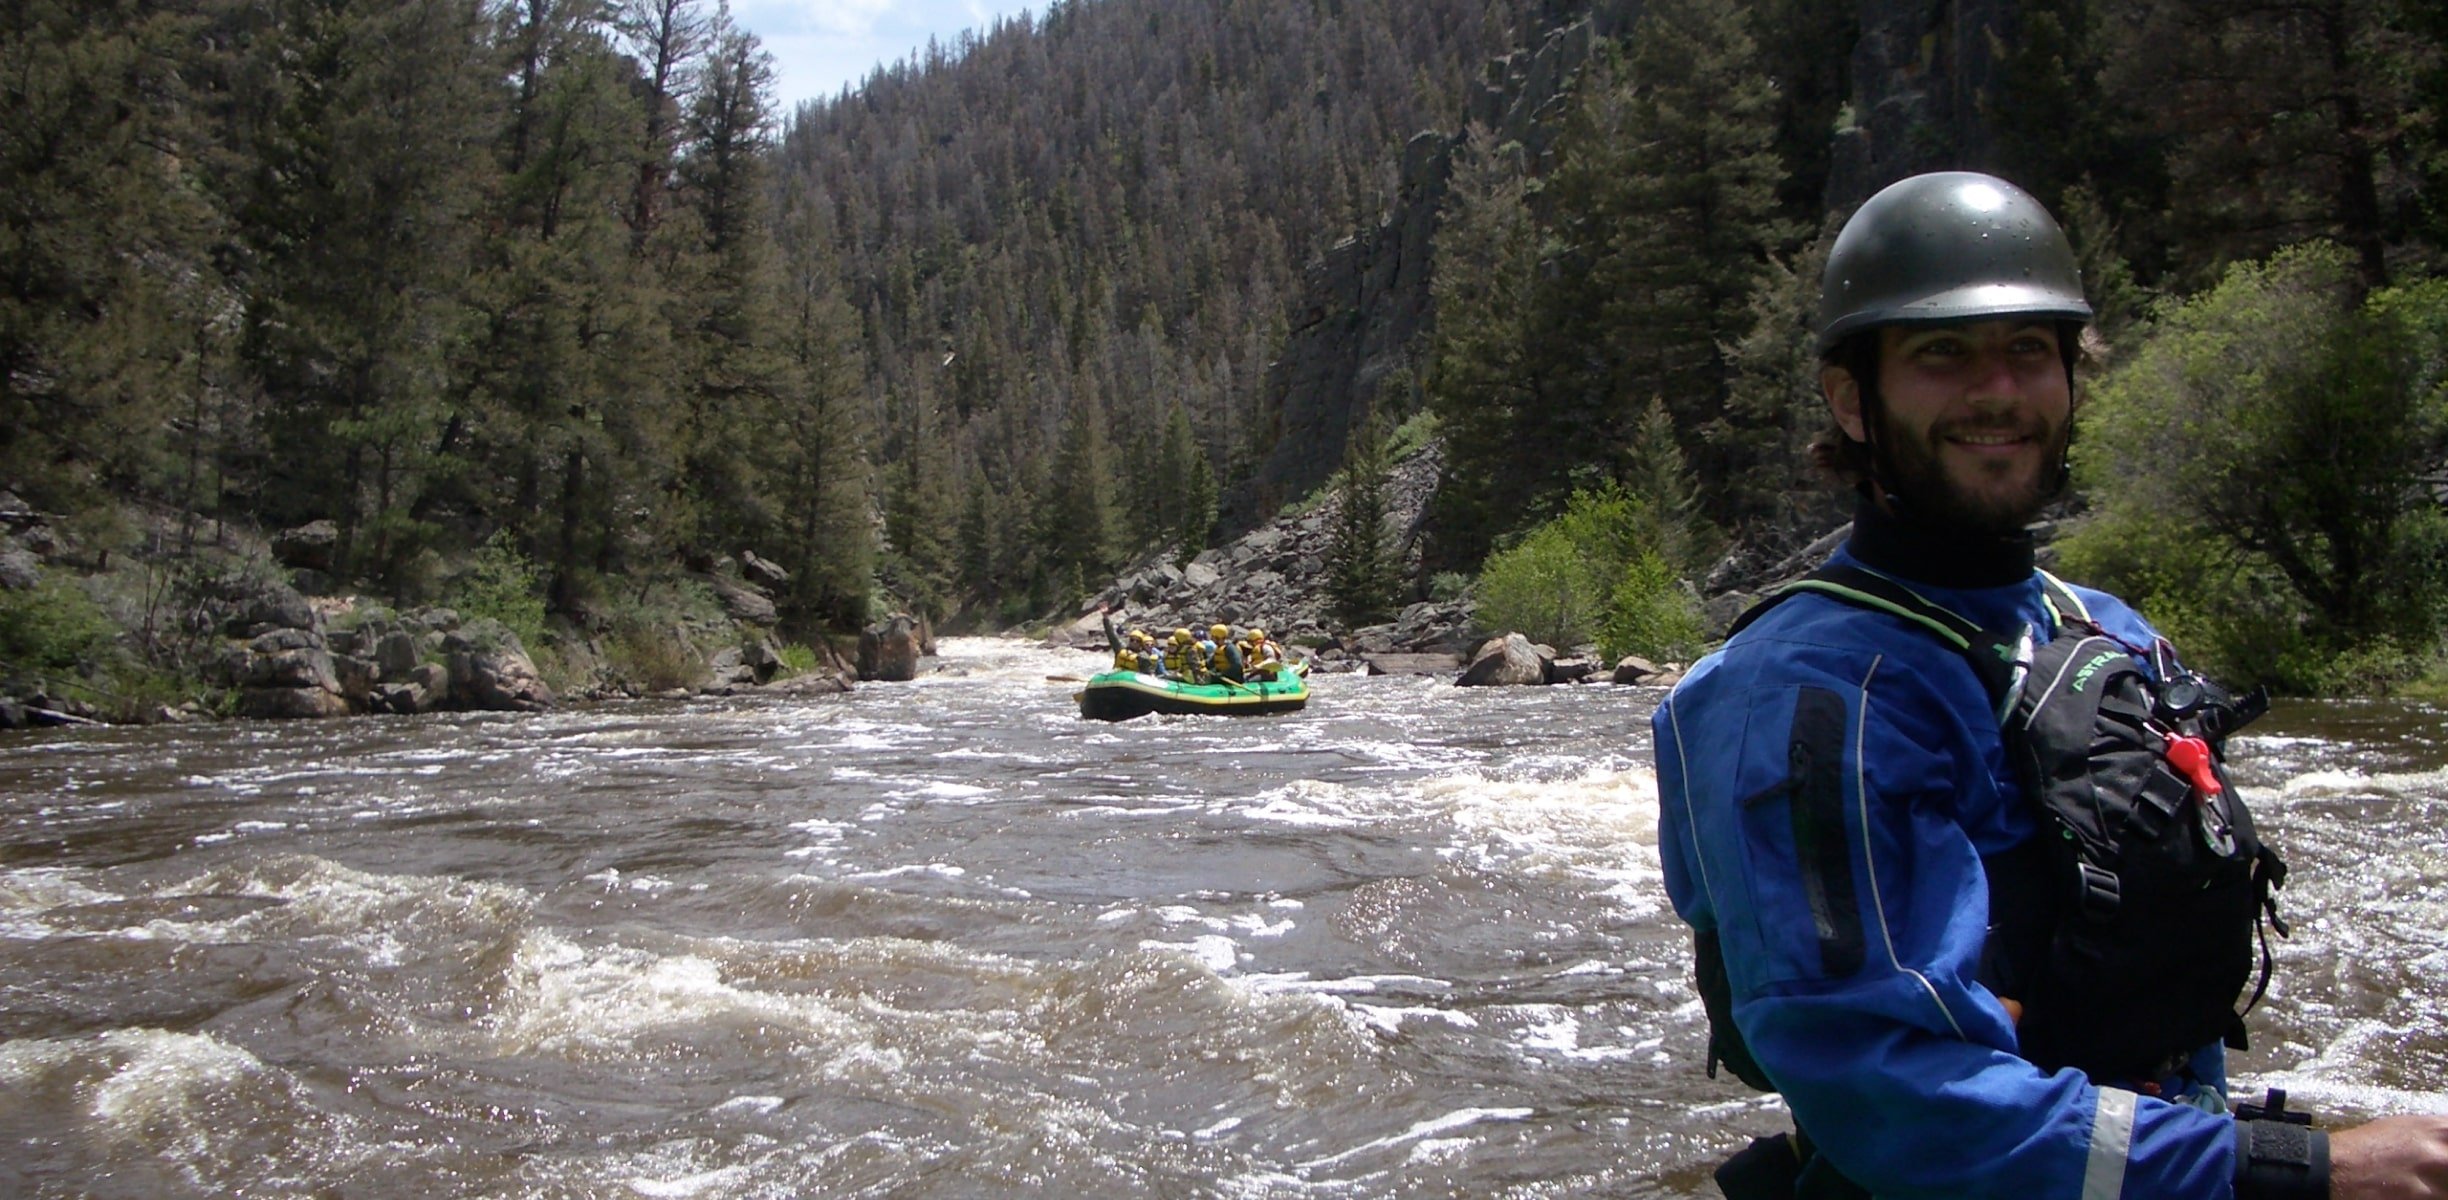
2111, 1139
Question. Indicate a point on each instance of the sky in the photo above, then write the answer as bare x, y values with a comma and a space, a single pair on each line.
818, 46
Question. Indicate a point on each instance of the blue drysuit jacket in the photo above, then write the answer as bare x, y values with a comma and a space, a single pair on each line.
1853, 934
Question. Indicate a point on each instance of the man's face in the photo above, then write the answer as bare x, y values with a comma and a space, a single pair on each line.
1973, 418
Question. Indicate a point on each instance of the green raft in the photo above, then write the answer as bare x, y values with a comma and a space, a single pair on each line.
1121, 695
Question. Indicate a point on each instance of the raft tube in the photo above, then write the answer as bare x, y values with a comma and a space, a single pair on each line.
1121, 695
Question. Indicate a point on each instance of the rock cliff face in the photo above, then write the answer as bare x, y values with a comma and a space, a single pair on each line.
1921, 72
1365, 303
1274, 577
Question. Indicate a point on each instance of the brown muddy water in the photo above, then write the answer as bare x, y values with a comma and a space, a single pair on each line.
945, 939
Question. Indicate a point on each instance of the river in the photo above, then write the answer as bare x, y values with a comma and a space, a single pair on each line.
946, 939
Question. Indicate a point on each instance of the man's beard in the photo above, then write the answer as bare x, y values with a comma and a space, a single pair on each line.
1912, 473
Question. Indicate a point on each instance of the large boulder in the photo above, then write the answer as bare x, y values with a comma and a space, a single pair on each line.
310, 546
889, 650
490, 670
19, 569
765, 572
1411, 664
288, 658
262, 605
1508, 661
744, 603
291, 704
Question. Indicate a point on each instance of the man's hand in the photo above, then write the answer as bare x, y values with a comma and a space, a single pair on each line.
2393, 1158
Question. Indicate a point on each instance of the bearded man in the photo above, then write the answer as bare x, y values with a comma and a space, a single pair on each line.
1894, 928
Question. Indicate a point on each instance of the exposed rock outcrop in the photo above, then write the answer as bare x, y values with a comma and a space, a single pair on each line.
1365, 302
889, 650
1274, 577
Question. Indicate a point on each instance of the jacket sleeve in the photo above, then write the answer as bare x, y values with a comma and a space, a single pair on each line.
1826, 830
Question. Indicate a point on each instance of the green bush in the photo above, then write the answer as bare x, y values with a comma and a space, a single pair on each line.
1446, 586
1544, 588
798, 658
1650, 613
2257, 471
52, 627
503, 584
1596, 573
654, 658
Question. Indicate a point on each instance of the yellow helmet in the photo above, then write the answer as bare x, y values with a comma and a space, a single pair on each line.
1140, 635
1219, 632
1181, 636
1257, 635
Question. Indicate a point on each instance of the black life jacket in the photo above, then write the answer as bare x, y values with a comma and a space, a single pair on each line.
2125, 929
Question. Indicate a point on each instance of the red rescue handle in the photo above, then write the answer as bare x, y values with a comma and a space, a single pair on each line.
2191, 756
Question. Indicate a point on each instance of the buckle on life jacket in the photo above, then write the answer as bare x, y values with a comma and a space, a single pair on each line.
2100, 892
2161, 797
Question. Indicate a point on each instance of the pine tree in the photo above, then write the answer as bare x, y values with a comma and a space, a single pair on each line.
821, 448
1479, 382
1363, 569
1691, 220
108, 304
542, 377
357, 257
727, 316
1076, 521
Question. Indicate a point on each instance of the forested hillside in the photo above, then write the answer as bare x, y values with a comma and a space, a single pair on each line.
551, 280
1076, 246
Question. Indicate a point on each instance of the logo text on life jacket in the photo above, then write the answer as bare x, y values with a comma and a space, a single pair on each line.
2082, 678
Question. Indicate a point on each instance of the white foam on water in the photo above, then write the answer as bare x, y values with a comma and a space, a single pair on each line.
28, 893
2340, 1099
1253, 925
1313, 804
944, 789
1550, 1027
595, 1003
1599, 828
1360, 985
190, 1100
719, 1181
1458, 1119
1215, 952
1389, 1019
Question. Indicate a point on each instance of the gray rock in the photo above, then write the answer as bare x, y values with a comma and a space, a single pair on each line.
764, 571
1508, 661
291, 703
283, 637
1570, 670
889, 650
1199, 575
396, 654
728, 668
1412, 664
356, 677
1632, 668
745, 604
310, 546
273, 604
499, 679
308, 669
763, 660
19, 569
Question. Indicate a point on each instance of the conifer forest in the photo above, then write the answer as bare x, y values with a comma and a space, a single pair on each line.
556, 284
